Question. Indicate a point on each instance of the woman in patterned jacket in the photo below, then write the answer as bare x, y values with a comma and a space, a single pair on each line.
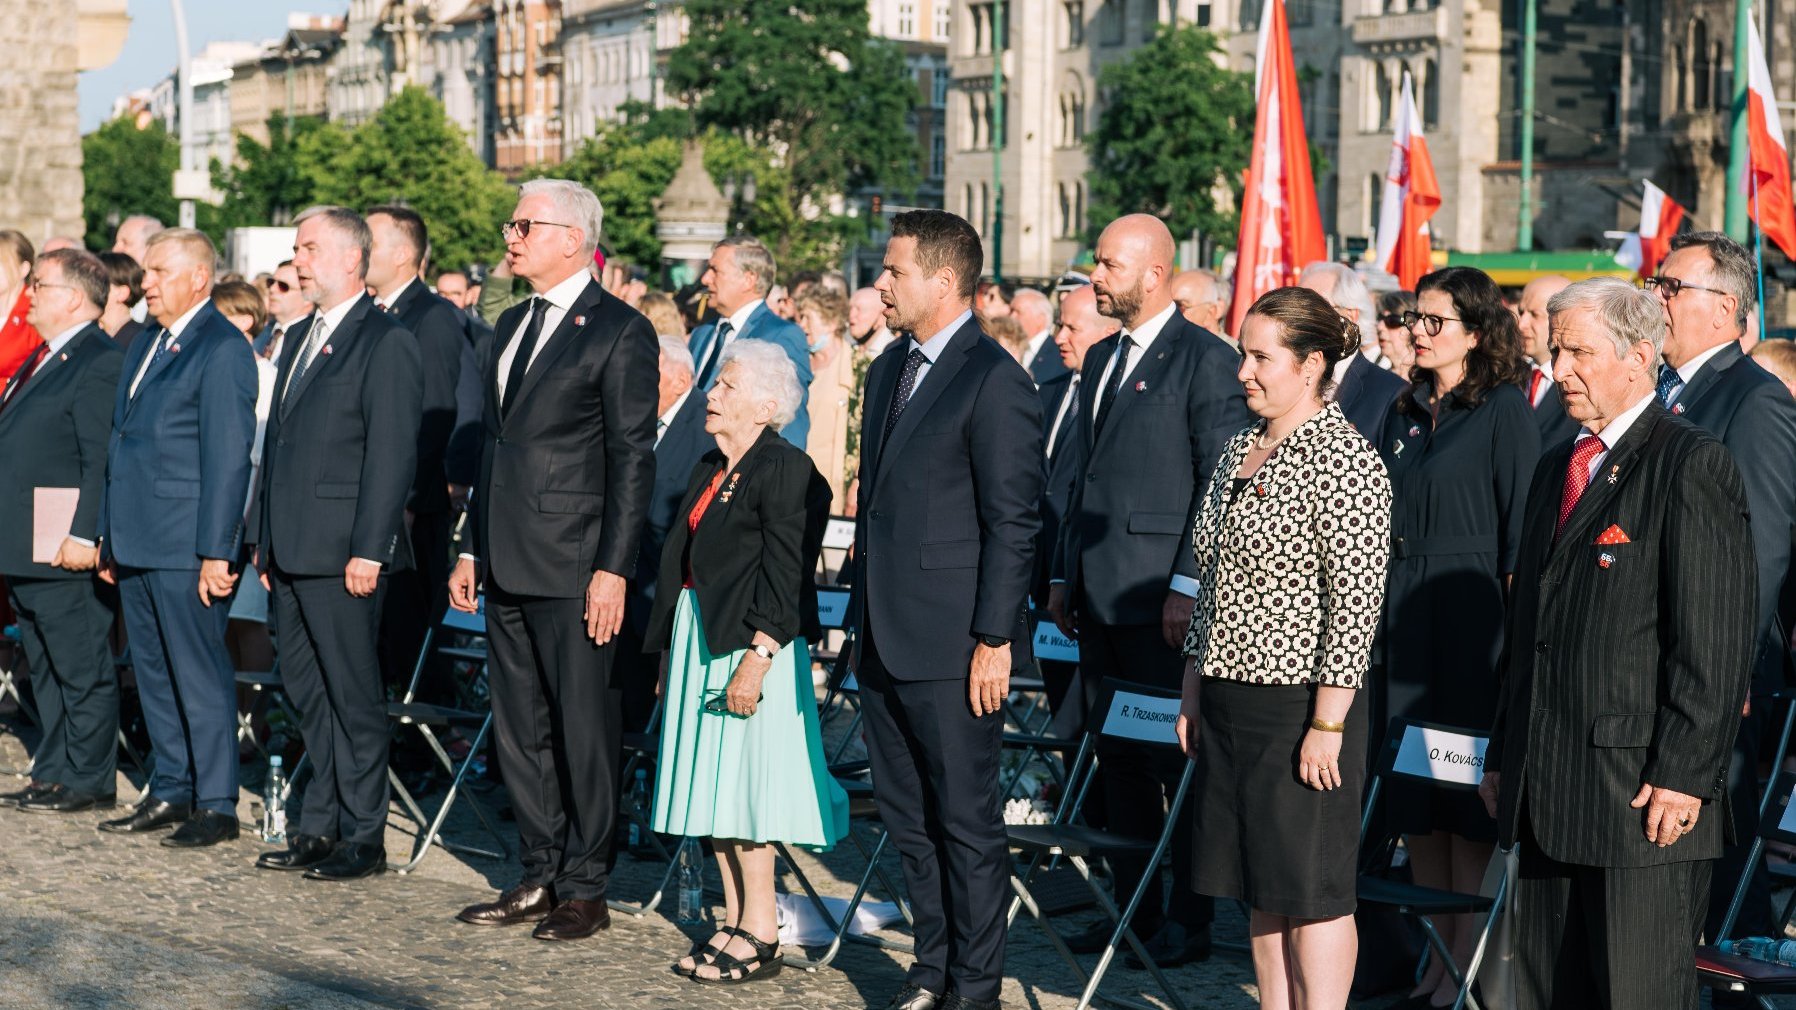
1291, 540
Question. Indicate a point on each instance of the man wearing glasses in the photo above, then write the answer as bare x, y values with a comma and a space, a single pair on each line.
287, 308
567, 465
1709, 287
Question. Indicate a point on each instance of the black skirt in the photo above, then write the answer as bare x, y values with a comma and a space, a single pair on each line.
1263, 837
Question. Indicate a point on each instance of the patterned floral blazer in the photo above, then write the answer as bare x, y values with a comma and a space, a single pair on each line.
1291, 568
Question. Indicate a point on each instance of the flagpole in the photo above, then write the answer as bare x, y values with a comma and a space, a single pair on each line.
1738, 160
1758, 257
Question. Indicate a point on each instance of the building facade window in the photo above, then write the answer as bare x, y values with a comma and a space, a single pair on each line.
1111, 20
938, 156
907, 20
1072, 24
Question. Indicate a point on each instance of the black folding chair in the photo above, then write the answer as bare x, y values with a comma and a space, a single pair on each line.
1442, 757
1731, 973
1124, 711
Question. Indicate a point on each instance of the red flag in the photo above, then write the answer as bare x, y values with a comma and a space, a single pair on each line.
1281, 226
1411, 196
1768, 182
1660, 217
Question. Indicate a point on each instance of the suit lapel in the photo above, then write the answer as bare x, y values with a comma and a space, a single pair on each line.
1347, 395
51, 363
334, 341
738, 478
881, 388
1616, 470
947, 366
577, 317
1142, 378
1706, 377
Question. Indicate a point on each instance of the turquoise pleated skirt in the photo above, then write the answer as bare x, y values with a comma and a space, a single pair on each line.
759, 779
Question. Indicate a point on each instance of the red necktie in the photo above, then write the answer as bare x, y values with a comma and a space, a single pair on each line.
1577, 477
1534, 387
25, 372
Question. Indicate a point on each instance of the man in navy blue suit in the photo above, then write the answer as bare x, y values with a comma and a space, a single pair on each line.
171, 533
739, 274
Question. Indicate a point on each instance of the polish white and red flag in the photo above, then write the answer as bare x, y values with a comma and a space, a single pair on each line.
1411, 196
1660, 217
1768, 173
1281, 225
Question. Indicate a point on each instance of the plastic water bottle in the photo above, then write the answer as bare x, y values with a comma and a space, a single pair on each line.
274, 803
1761, 948
638, 804
691, 887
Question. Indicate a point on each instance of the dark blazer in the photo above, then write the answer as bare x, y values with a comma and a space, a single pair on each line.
462, 462
763, 324
1733, 398
442, 339
1631, 670
755, 550
1366, 394
340, 448
565, 476
177, 471
127, 333
682, 445
949, 508
1047, 365
53, 434
1131, 515
1063, 469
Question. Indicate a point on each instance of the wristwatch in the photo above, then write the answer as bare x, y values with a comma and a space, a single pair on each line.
993, 641
763, 651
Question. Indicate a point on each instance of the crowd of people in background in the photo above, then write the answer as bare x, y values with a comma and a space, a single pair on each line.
1342, 515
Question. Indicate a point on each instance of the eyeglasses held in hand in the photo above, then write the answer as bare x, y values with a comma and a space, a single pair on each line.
1431, 323
719, 703
521, 227
1668, 287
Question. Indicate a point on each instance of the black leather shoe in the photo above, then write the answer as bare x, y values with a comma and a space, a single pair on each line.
152, 815
914, 997
350, 861
523, 903
32, 790
1092, 939
63, 800
1172, 946
574, 919
205, 827
302, 853
955, 1001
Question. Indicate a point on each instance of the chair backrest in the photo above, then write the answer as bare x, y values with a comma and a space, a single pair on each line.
1777, 825
1050, 644
1447, 756
467, 624
832, 607
838, 535
1131, 711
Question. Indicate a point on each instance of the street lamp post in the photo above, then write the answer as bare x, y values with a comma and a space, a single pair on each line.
1524, 228
1000, 42
184, 113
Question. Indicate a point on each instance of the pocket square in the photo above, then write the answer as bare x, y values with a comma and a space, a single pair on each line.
1613, 535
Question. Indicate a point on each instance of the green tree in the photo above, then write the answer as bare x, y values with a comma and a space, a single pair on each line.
627, 166
126, 170
804, 83
269, 184
1175, 134
410, 152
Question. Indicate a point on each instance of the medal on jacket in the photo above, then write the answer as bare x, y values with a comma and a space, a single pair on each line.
728, 491
1605, 559
1614, 473
1397, 448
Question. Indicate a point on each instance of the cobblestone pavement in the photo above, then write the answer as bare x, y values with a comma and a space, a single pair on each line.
95, 920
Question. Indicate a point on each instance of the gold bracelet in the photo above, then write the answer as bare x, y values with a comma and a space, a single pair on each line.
1323, 725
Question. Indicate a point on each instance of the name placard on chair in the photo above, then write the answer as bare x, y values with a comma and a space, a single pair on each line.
1788, 821
1143, 717
1442, 755
1052, 646
839, 534
832, 607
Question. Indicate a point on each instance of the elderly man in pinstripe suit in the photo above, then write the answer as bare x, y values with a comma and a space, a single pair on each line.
1629, 648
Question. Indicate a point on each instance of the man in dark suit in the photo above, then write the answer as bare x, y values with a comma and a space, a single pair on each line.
739, 275
950, 485
1549, 410
1365, 391
416, 595
1627, 656
1032, 309
1081, 327
54, 419
1158, 402
565, 477
287, 308
680, 441
1708, 285
171, 528
336, 468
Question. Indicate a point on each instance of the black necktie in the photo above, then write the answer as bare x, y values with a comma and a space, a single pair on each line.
520, 362
715, 352
1112, 387
907, 381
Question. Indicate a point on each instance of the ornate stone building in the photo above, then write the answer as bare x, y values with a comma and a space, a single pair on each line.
527, 84
287, 79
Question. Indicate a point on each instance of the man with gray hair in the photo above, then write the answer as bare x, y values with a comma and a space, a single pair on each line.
739, 276
132, 238
1364, 390
1632, 631
1040, 358
1202, 299
1708, 286
567, 467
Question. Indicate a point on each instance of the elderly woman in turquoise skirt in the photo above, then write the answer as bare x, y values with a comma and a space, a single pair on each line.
741, 758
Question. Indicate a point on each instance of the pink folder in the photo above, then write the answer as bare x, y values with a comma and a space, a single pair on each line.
52, 514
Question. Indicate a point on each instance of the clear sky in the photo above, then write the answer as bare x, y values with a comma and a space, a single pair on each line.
149, 52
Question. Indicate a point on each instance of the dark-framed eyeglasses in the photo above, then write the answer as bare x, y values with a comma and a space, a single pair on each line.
521, 227
1431, 323
37, 285
1392, 321
1669, 287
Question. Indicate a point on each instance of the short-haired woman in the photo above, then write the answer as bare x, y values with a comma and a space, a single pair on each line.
741, 759
1291, 540
1461, 446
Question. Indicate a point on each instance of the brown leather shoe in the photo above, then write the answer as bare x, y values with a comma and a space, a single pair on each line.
575, 919
523, 903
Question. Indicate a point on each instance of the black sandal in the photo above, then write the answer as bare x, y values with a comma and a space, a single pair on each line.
732, 970
703, 953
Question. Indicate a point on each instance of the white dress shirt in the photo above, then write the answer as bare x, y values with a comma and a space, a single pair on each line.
386, 301
1144, 337
328, 322
1067, 400
1616, 429
1034, 348
666, 420
174, 334
561, 299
